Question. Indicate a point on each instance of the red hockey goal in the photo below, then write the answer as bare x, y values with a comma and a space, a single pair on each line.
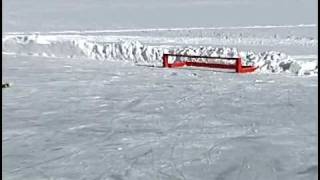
178, 60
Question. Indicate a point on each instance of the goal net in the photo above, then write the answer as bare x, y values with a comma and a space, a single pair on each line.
230, 63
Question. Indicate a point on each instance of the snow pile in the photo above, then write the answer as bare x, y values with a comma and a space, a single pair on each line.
139, 53
207, 51
277, 62
133, 51
304, 68
124, 51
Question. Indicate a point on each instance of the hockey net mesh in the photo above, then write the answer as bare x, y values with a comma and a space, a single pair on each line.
172, 59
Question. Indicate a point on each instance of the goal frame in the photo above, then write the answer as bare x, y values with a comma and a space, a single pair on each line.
237, 66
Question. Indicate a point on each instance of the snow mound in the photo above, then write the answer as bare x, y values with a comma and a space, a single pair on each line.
133, 51
144, 54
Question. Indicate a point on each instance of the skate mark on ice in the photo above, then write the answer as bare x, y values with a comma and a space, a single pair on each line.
133, 103
310, 170
45, 162
81, 126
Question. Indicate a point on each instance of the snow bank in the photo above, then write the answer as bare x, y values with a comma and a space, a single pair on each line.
139, 53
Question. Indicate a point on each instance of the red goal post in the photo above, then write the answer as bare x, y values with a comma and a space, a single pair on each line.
191, 60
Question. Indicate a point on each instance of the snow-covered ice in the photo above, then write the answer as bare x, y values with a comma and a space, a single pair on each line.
84, 119
89, 98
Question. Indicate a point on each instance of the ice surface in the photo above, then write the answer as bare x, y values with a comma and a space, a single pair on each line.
35, 15
89, 119
88, 100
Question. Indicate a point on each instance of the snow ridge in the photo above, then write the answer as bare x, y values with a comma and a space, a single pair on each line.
138, 53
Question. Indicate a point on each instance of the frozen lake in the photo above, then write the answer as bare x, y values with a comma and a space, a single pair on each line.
86, 119
89, 101
36, 15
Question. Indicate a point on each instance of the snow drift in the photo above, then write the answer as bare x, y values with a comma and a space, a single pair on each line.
146, 54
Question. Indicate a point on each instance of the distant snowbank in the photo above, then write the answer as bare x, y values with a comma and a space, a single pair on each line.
139, 53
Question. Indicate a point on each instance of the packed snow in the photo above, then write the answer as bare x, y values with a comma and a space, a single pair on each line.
88, 97
88, 119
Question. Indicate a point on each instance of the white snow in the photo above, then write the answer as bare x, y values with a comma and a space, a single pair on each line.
142, 53
164, 29
88, 98
154, 122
